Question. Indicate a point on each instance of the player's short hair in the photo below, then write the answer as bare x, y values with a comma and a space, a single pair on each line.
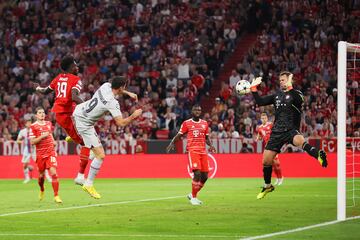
38, 109
66, 63
196, 106
264, 114
287, 73
118, 82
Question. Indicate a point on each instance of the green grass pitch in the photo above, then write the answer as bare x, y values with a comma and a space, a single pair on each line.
158, 209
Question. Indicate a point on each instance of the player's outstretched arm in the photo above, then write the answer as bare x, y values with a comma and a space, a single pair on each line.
43, 90
171, 144
122, 122
131, 95
261, 101
75, 96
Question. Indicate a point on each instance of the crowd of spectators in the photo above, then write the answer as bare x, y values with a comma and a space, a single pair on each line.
301, 37
171, 51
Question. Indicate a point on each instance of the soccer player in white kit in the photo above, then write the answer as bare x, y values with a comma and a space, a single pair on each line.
88, 113
28, 150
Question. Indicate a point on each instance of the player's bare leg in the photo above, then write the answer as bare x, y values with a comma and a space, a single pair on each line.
268, 158
320, 155
93, 171
55, 184
41, 185
277, 170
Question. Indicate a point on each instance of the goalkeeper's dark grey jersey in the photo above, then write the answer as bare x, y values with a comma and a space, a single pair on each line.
288, 108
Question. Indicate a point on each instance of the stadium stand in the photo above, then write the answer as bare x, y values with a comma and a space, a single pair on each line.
175, 53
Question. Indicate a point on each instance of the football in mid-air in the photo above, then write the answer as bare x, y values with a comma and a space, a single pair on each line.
242, 87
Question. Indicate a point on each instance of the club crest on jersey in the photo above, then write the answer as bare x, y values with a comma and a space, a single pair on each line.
203, 126
192, 126
196, 133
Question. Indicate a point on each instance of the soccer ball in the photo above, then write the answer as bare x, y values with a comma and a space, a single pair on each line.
242, 87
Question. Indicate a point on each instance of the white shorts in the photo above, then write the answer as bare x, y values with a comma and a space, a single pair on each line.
27, 157
88, 134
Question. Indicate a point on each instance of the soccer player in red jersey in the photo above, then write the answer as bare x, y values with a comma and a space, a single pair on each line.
264, 131
67, 86
197, 131
41, 137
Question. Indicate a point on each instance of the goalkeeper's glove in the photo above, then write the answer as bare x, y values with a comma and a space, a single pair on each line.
289, 85
255, 83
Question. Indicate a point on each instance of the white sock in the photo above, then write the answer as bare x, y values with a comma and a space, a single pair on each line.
26, 173
47, 175
80, 175
94, 169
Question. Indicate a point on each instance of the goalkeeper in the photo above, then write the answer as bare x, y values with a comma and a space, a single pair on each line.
288, 108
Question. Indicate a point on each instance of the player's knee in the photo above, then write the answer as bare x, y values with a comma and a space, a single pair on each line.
197, 175
204, 177
268, 160
298, 140
52, 171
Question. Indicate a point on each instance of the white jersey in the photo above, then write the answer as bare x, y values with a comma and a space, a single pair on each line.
103, 100
24, 135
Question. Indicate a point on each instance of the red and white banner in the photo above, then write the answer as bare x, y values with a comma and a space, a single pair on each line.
175, 166
222, 146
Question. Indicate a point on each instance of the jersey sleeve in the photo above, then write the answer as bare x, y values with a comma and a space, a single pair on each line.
114, 109
77, 84
183, 129
298, 100
263, 100
21, 135
207, 129
32, 132
53, 84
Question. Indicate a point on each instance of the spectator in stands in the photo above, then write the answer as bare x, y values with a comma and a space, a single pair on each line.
234, 78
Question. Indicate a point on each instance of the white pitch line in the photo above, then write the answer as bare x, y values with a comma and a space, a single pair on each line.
118, 235
298, 229
89, 206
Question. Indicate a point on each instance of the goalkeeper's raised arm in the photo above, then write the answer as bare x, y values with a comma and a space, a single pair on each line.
264, 100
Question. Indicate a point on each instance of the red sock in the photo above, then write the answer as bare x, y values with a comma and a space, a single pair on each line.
84, 159
277, 170
41, 183
196, 187
55, 184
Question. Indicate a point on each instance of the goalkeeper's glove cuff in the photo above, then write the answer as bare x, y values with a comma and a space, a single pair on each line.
253, 89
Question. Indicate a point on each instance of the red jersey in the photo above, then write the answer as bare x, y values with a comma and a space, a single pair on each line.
45, 147
196, 135
265, 131
62, 84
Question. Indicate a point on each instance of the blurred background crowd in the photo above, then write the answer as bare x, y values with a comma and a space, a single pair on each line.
172, 52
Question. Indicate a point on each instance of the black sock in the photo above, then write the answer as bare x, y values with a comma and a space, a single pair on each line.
267, 171
312, 151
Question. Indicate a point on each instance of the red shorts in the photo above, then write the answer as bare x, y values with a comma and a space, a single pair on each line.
66, 122
198, 161
46, 163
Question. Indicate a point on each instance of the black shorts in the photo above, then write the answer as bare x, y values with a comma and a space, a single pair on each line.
278, 139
